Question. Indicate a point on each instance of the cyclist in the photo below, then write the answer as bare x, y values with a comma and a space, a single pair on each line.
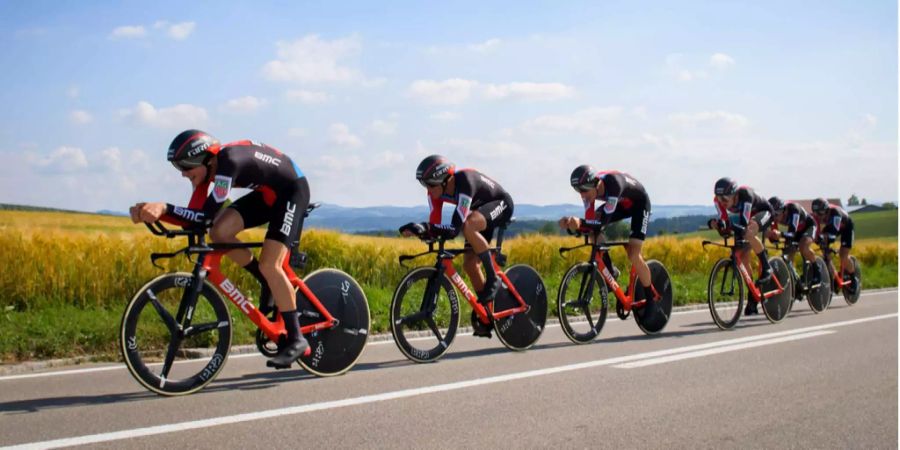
280, 197
750, 213
482, 206
832, 221
623, 197
801, 229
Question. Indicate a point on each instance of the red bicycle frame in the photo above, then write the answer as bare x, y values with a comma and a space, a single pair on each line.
738, 257
838, 277
272, 330
483, 314
626, 300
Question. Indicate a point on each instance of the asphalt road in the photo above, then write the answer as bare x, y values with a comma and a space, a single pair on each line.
813, 381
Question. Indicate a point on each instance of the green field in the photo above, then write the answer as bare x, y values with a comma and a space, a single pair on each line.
67, 277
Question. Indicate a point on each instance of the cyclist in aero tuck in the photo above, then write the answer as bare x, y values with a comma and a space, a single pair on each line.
280, 197
623, 197
753, 214
481, 207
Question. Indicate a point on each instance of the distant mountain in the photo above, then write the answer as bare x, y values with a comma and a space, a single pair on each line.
385, 218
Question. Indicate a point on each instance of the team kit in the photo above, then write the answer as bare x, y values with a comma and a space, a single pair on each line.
322, 321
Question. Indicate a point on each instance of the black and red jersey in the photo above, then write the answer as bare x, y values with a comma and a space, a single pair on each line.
836, 219
472, 189
241, 164
621, 192
796, 219
748, 204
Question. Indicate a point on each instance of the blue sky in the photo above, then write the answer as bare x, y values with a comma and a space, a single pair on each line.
797, 99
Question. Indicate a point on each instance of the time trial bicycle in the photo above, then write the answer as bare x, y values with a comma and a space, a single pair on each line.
726, 287
425, 308
586, 287
176, 331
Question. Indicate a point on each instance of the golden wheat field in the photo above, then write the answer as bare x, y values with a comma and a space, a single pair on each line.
100, 261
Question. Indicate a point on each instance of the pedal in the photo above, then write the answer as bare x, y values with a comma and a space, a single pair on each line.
620, 311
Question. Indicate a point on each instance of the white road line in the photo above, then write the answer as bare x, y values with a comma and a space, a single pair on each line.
257, 355
280, 412
723, 349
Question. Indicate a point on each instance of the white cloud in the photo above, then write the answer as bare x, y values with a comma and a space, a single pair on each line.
73, 92
448, 92
335, 164
61, 160
456, 91
246, 104
602, 121
387, 159
340, 134
80, 117
111, 158
486, 46
528, 91
311, 60
724, 119
180, 116
307, 97
446, 116
180, 31
383, 127
128, 32
721, 61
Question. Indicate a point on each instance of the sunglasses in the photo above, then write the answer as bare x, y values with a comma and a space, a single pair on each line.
583, 188
427, 185
183, 167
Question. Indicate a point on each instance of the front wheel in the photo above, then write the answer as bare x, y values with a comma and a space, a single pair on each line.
652, 319
334, 350
173, 355
520, 331
581, 304
851, 295
777, 307
725, 294
424, 315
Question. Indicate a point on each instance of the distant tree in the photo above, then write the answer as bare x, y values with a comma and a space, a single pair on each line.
549, 228
853, 201
889, 205
864, 202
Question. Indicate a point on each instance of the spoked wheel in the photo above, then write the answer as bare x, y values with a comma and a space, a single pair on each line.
520, 331
777, 307
818, 295
851, 295
334, 350
725, 294
653, 318
159, 354
424, 315
581, 304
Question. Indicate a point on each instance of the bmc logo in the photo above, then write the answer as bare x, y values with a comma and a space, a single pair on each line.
288, 219
266, 158
188, 214
235, 295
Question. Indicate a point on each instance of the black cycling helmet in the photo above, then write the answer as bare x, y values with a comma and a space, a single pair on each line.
819, 205
192, 148
434, 170
777, 204
725, 186
584, 177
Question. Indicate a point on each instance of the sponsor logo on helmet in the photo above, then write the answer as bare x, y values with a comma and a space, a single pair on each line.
197, 147
440, 171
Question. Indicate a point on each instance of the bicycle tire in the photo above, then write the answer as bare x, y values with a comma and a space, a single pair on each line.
582, 315
851, 296
521, 331
143, 334
654, 322
725, 305
409, 298
818, 296
335, 350
778, 306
